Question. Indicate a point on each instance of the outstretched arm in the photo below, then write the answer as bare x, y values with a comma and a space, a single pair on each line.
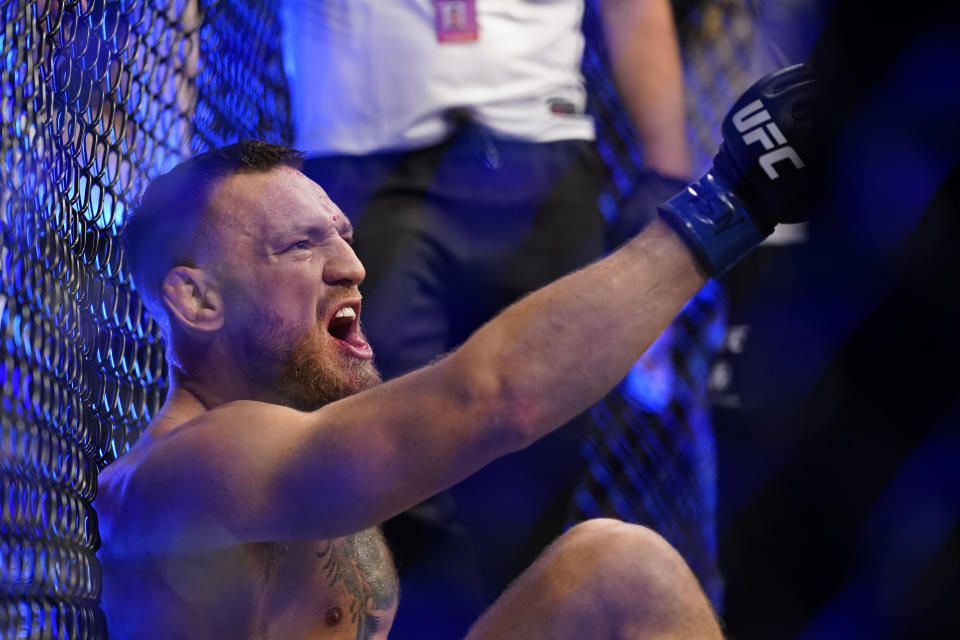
531, 369
251, 471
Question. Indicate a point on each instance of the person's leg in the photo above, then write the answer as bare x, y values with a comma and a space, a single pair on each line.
603, 579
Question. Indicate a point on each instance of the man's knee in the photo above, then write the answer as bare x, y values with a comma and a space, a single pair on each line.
603, 579
629, 572
617, 550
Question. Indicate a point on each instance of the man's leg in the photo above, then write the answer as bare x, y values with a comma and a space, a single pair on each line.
603, 579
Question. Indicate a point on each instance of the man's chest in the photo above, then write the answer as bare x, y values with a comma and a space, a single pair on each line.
342, 587
326, 589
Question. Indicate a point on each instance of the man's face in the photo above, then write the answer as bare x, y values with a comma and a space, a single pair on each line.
289, 280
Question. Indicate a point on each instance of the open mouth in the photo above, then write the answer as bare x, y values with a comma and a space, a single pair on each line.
343, 325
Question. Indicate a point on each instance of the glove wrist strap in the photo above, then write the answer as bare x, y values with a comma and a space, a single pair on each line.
713, 223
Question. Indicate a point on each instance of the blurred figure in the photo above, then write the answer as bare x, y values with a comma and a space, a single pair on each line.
454, 134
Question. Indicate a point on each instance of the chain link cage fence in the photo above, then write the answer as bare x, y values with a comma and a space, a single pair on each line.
97, 98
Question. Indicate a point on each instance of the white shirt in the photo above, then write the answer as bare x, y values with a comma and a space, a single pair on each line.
371, 75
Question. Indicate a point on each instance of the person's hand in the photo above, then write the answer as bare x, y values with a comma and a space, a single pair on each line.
759, 175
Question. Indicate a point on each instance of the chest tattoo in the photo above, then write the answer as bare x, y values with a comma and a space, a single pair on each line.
361, 563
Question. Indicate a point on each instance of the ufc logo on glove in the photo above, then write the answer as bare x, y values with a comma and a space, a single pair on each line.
751, 119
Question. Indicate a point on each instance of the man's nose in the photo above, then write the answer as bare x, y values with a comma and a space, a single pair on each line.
344, 267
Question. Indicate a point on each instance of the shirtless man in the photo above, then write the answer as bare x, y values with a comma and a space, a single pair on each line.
248, 509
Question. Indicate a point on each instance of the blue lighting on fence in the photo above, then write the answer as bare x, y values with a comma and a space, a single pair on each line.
81, 364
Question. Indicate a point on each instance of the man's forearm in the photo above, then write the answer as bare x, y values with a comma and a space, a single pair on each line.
645, 61
562, 348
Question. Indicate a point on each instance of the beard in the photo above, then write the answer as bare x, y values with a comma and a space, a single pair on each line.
310, 378
307, 376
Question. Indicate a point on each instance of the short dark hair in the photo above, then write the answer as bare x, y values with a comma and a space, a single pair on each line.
162, 230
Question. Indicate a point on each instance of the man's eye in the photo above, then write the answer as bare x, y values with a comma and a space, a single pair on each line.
303, 244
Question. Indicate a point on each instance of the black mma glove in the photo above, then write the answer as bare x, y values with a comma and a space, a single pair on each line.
759, 175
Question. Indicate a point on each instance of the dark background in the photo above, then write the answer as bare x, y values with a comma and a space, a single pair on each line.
839, 474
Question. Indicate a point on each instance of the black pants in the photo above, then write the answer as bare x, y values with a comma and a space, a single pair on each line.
449, 236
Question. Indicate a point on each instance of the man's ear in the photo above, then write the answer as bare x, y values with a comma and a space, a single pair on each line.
192, 299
